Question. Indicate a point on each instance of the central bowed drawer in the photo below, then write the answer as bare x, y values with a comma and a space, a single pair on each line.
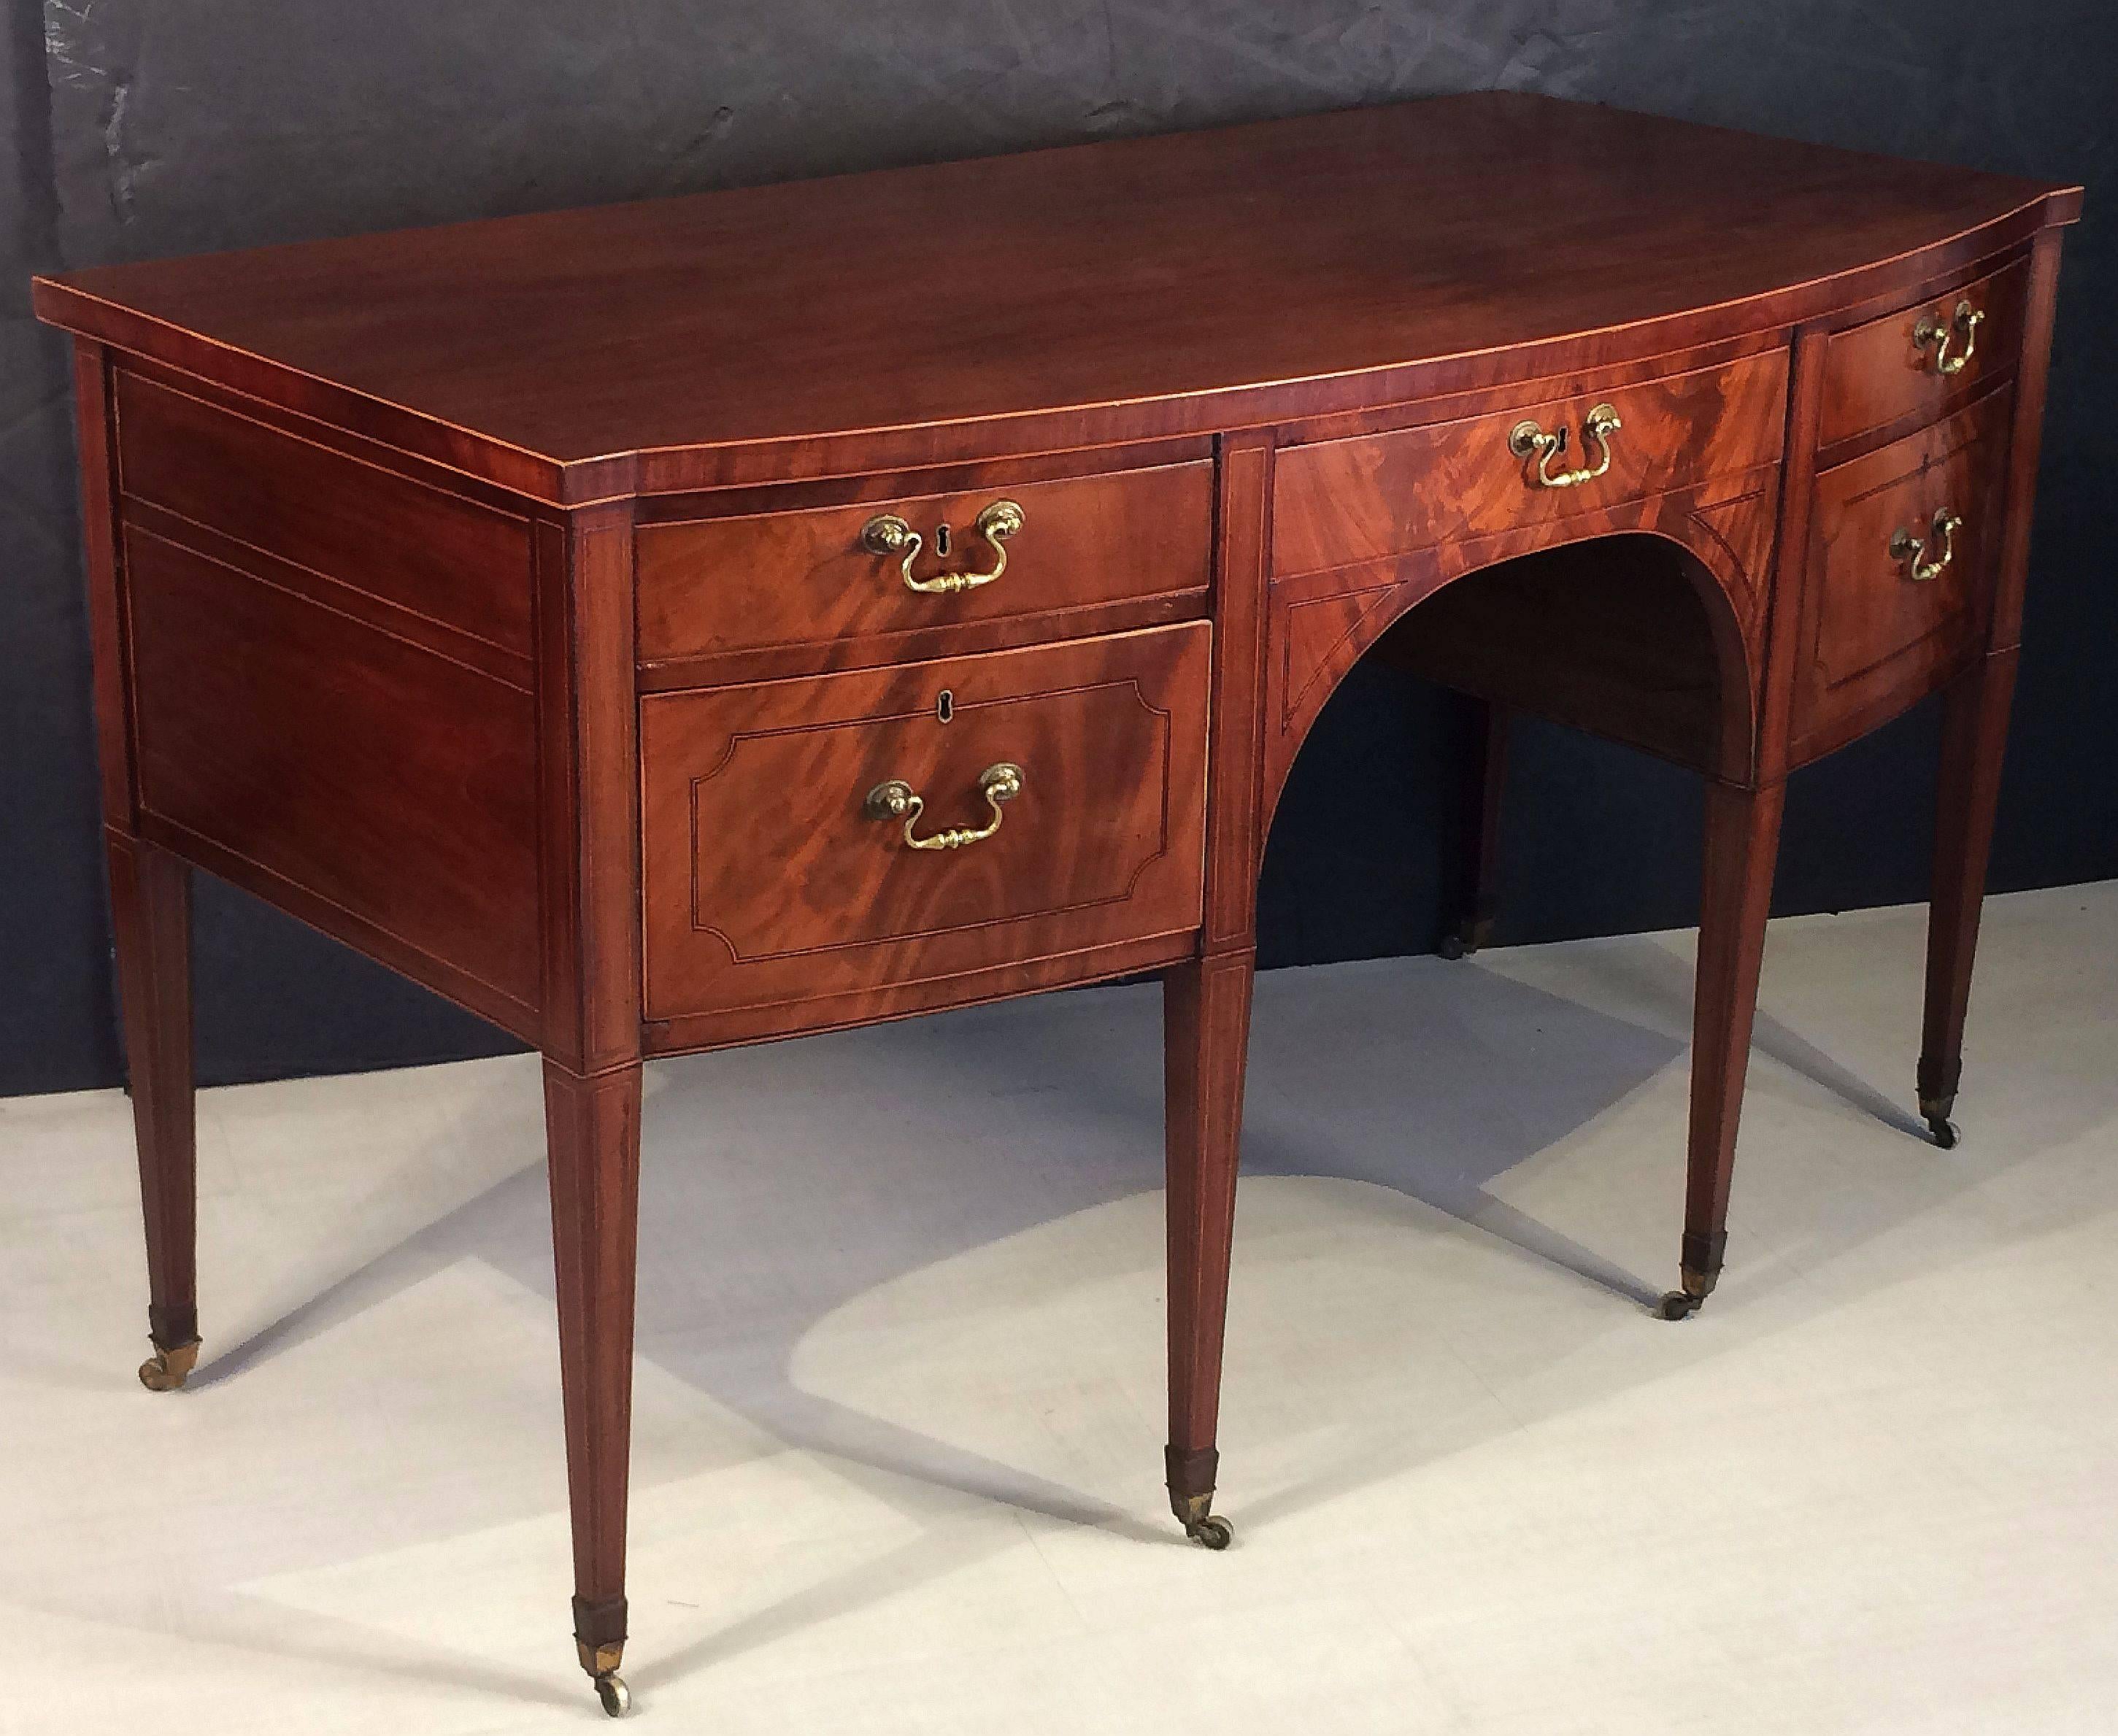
1529, 462
813, 838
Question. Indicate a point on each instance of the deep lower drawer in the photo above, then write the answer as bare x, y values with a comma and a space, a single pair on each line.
1338, 502
810, 839
713, 586
1905, 547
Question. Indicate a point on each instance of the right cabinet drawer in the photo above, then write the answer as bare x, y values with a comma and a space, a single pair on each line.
1906, 543
1913, 363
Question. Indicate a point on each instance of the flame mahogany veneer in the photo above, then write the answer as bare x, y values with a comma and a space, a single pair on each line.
502, 599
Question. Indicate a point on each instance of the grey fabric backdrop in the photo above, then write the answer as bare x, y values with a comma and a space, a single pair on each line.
143, 127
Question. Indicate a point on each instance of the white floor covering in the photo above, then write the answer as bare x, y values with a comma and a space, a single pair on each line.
898, 1423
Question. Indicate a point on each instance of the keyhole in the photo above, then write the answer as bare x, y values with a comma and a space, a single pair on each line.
945, 707
941, 550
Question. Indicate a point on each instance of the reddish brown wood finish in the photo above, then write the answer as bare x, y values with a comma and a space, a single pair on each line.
1342, 502
150, 907
1974, 735
1103, 847
1878, 639
1742, 846
431, 627
1128, 290
771, 581
1206, 1016
1877, 374
593, 1131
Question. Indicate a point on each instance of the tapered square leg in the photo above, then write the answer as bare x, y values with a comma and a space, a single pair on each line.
150, 907
1974, 737
592, 1128
1206, 1016
1484, 783
1742, 847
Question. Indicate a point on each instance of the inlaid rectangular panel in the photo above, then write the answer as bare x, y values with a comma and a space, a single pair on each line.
769, 879
1878, 636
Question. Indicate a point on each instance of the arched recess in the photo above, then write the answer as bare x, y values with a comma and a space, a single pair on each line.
1610, 581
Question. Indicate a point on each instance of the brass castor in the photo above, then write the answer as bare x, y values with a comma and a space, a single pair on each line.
1453, 946
615, 1697
1212, 1532
1678, 1305
167, 1370
1944, 1131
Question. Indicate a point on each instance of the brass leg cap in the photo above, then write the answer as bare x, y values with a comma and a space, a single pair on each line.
1678, 1305
167, 1370
1212, 1532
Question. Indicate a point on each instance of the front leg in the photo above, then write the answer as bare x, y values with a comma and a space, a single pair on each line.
1206, 1016
592, 1128
1974, 735
1742, 847
151, 904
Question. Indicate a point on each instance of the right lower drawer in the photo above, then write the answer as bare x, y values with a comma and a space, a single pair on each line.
1905, 546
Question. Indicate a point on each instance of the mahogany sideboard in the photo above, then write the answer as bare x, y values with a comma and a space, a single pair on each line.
719, 618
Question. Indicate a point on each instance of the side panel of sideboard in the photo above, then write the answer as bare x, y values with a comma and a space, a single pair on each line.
323, 683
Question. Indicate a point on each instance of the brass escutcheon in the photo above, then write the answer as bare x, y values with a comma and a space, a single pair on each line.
886, 533
1526, 440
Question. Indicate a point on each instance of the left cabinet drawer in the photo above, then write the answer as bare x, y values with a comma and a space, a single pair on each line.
759, 581
774, 873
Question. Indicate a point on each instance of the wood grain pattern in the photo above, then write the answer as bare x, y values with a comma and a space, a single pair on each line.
1876, 637
1974, 738
765, 581
588, 763
1876, 374
1102, 847
1206, 1012
1338, 502
1742, 833
395, 788
593, 1133
427, 555
1320, 624
531, 654
1130, 289
151, 907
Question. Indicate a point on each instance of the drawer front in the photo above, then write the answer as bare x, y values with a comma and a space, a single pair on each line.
722, 585
770, 877
1339, 501
1881, 637
1898, 366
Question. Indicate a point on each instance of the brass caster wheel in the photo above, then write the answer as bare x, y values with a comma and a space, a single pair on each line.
1452, 947
1944, 1131
615, 1697
167, 1370
1212, 1532
1678, 1305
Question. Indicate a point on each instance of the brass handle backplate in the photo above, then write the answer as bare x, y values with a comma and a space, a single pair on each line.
886, 533
1527, 440
897, 800
1909, 551
1932, 333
